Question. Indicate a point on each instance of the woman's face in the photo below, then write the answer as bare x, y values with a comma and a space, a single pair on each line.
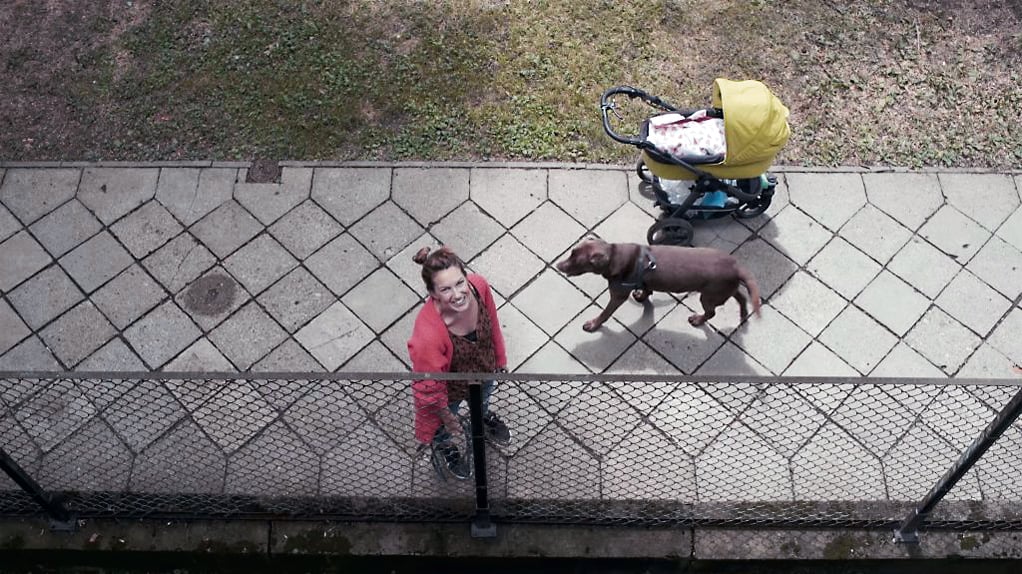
450, 290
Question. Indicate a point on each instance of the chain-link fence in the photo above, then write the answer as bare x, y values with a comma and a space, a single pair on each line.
864, 453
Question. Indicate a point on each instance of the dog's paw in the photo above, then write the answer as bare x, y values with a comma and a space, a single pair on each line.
640, 295
696, 320
590, 326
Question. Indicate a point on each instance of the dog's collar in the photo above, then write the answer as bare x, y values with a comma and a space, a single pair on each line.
644, 264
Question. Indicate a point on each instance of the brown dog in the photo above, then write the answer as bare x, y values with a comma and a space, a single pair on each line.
642, 270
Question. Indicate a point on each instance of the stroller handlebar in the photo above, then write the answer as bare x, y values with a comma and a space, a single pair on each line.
607, 106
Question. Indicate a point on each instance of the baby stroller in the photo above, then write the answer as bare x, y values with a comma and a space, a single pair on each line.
706, 163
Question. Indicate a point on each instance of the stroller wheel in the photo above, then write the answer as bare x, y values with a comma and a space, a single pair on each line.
754, 209
643, 172
670, 231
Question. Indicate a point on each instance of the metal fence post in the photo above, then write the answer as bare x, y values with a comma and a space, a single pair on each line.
54, 507
482, 526
908, 531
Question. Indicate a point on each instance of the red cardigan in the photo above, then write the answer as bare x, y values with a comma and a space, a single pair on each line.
431, 350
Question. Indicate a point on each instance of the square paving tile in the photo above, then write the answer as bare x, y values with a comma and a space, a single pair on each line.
507, 265
12, 328
1000, 266
685, 346
334, 336
247, 336
551, 301
297, 298
903, 361
201, 356
260, 263
31, 355
77, 333
724, 234
596, 350
640, 359
858, 339
9, 225
986, 363
640, 317
808, 303
380, 299
96, 261
522, 337
269, 201
161, 334
1006, 335
819, 361
467, 231
114, 356
375, 357
20, 258
408, 270
146, 229
910, 198
551, 358
212, 298
1011, 229
45, 296
128, 296
731, 360
395, 338
548, 231
341, 264
226, 228
386, 231
628, 224
843, 267
830, 198
924, 267
773, 340
179, 262
65, 227
288, 357
191, 193
305, 229
796, 235
875, 233
973, 303
588, 195
508, 194
893, 302
770, 267
350, 193
942, 340
113, 192
31, 193
954, 234
974, 193
428, 194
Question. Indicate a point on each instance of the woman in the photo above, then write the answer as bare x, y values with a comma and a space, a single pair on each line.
456, 331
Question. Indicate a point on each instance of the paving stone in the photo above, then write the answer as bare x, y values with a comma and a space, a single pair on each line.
212, 298
31, 193
876, 234
628, 224
113, 192
1006, 335
269, 201
903, 361
386, 231
508, 195
768, 479
598, 350
29, 355
843, 267
507, 265
232, 417
724, 234
289, 356
924, 267
858, 339
160, 335
408, 270
973, 303
808, 303
12, 328
128, 296
200, 357
20, 258
260, 263
191, 193
893, 303
522, 337
999, 265
796, 235
773, 340
9, 225
942, 340
830, 198
551, 358
146, 229
954, 234
227, 228
548, 231
297, 298
819, 361
467, 231
1011, 229
428, 194
395, 338
770, 267
45, 296
986, 363
551, 301
114, 356
974, 193
350, 193
588, 195
305, 229
96, 261
341, 264
640, 359
179, 262
77, 333
685, 346
911, 198
639, 317
375, 357
66, 227
247, 336
334, 336
380, 299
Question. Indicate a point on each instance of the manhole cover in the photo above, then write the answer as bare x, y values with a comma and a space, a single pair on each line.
263, 171
210, 295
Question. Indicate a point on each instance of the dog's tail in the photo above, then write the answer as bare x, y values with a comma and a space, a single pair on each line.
751, 286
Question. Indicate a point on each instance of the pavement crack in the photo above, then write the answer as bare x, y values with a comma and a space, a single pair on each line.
347, 333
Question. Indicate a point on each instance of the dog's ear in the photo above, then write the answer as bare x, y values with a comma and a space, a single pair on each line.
599, 259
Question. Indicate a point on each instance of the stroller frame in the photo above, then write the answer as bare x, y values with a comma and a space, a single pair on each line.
673, 226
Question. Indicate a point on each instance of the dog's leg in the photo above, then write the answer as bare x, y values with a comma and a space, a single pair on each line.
616, 299
710, 303
641, 295
743, 311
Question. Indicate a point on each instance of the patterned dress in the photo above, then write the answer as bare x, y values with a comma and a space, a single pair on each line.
478, 356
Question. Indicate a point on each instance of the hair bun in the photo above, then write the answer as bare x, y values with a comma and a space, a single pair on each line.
420, 255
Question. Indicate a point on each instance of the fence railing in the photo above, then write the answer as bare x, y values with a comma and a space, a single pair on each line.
728, 451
